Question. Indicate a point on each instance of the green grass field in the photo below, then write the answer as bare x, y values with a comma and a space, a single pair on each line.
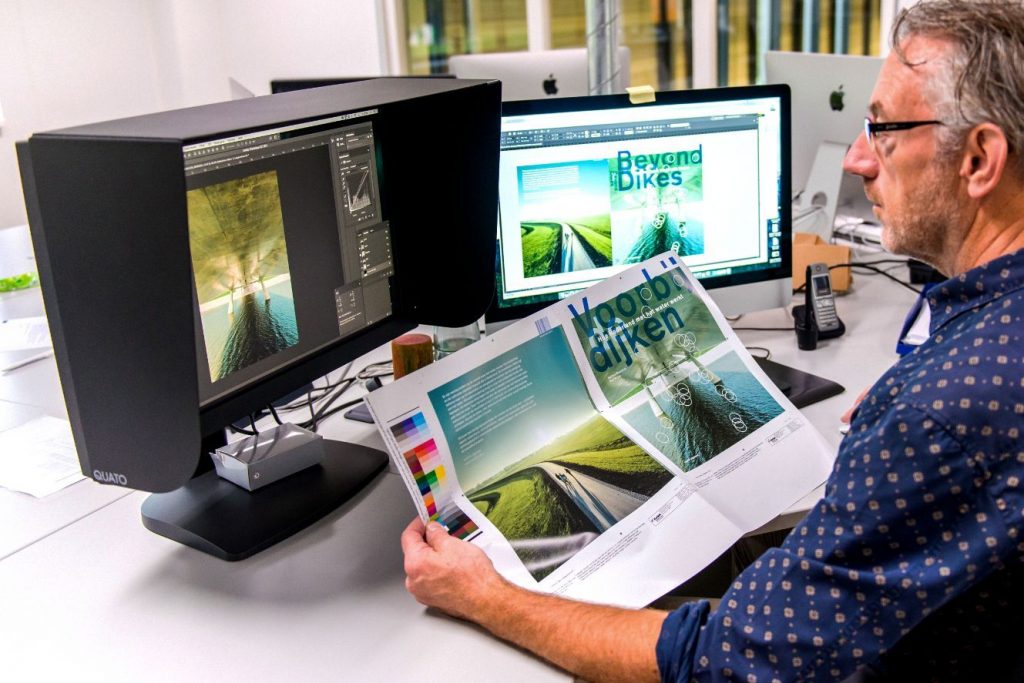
541, 243
596, 434
599, 449
601, 223
528, 505
596, 233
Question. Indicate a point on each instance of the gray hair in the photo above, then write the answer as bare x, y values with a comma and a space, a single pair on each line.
983, 78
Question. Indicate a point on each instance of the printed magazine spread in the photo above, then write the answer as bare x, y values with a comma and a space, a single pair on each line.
606, 448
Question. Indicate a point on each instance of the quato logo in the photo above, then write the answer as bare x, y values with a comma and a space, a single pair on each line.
110, 477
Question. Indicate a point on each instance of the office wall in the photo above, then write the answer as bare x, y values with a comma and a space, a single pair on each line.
67, 62
64, 62
311, 38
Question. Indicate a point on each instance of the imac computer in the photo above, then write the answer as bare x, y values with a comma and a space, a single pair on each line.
538, 74
830, 94
197, 265
590, 185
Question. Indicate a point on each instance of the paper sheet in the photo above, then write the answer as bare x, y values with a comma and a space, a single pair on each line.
582, 447
39, 457
18, 334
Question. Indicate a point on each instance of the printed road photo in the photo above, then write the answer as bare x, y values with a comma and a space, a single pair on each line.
536, 458
240, 263
564, 220
581, 484
693, 419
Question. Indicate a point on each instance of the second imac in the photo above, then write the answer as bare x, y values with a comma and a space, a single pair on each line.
830, 95
540, 74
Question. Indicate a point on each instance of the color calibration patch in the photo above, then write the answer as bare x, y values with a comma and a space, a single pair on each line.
458, 524
424, 460
410, 430
425, 464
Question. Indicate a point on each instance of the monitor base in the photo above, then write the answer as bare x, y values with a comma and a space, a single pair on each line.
221, 519
801, 388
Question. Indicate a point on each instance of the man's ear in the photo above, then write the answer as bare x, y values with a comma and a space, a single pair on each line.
984, 159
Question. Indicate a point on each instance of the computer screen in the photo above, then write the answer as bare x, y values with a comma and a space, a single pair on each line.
830, 95
199, 264
290, 249
591, 185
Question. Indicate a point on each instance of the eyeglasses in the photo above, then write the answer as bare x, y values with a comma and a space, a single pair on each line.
872, 128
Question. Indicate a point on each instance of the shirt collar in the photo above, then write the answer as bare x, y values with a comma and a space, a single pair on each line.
975, 287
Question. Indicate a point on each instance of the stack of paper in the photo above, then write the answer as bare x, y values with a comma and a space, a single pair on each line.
39, 457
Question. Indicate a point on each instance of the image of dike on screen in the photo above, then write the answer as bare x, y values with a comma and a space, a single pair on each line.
699, 411
240, 262
591, 214
656, 205
536, 458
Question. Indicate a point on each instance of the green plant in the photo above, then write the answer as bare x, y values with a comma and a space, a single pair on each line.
15, 282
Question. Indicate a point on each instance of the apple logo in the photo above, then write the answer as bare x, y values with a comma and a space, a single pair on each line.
835, 99
549, 85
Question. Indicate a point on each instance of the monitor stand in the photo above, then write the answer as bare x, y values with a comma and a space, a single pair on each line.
224, 520
801, 388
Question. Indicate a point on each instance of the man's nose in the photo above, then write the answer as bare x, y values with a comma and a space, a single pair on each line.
860, 159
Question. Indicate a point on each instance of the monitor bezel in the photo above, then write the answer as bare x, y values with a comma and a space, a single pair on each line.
777, 274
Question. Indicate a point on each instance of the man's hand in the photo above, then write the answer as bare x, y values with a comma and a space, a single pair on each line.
447, 573
847, 417
598, 643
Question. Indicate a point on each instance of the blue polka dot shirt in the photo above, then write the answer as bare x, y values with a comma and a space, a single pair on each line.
910, 567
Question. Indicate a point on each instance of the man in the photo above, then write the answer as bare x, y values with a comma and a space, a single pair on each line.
910, 567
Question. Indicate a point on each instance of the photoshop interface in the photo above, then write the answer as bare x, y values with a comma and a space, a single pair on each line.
290, 250
584, 194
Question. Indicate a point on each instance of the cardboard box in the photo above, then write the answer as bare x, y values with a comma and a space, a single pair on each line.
808, 249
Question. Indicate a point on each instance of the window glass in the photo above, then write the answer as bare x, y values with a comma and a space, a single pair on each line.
746, 28
658, 34
437, 29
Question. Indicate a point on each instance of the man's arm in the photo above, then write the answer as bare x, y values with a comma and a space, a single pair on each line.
595, 642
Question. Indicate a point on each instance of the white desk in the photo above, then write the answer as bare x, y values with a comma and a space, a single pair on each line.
112, 601
104, 599
26, 393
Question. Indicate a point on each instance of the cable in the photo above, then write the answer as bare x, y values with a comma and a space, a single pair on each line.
323, 406
343, 406
807, 213
767, 352
877, 270
241, 430
897, 261
764, 329
312, 412
273, 412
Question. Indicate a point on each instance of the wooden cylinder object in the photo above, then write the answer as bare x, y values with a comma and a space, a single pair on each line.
411, 352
